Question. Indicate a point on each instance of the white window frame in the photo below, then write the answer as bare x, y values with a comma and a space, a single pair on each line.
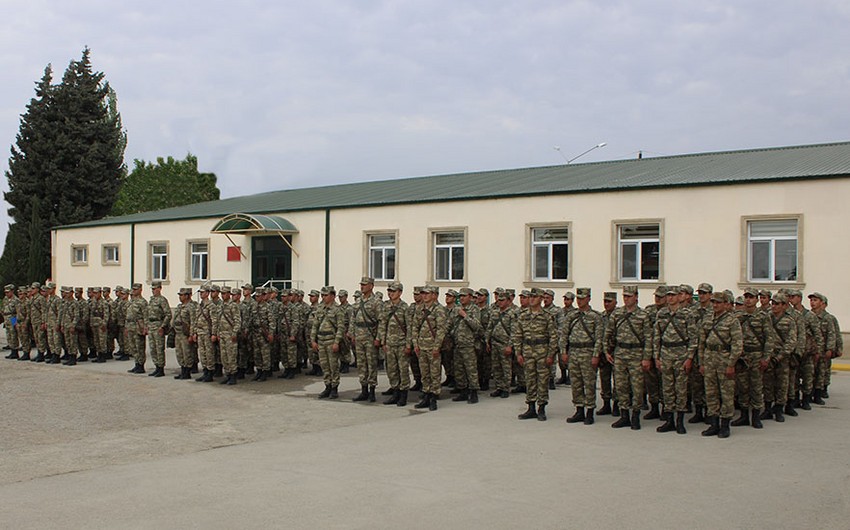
193, 254
79, 255
162, 257
748, 239
384, 250
435, 250
619, 243
533, 247
108, 260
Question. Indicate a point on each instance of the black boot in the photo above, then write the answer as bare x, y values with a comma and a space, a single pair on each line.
388, 392
326, 393
343, 367
240, 373
72, 361
101, 358
364, 394
777, 414
724, 428
402, 398
653, 412
56, 358
231, 379
714, 426
136, 369
423, 403
623, 421
698, 416
264, 375
756, 420
551, 384
530, 413
462, 395
541, 412
473, 397
217, 372
371, 394
768, 411
743, 419
83, 358
520, 389
396, 394
825, 393
334, 393
817, 398
39, 358
588, 416
606, 408
615, 409
159, 372
496, 393
636, 420
225, 381
680, 423
432, 403
578, 417
789, 409
201, 379
417, 386
668, 425
568, 382
26, 357
12, 355
284, 374
805, 402
180, 375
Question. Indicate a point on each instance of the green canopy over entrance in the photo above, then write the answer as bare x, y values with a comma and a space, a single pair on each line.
253, 224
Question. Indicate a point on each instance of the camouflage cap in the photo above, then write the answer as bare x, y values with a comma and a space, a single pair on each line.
185, 290
395, 286
569, 294
314, 292
206, 288
298, 292
215, 288
661, 290
719, 296
630, 289
379, 294
482, 291
499, 290
685, 288
247, 286
583, 292
452, 293
9, 287
119, 288
536, 291
35, 285
328, 289
258, 291
342, 292
136, 285
50, 285
105, 289
730, 296
66, 289
78, 289
705, 288
609, 296
510, 292
780, 297
156, 284
765, 292
358, 294
739, 300
819, 296
417, 289
236, 291
549, 292
366, 280
525, 293
275, 289
95, 289
466, 291
795, 292
752, 291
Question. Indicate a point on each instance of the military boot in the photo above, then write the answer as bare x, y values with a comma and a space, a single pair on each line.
284, 374
25, 357
388, 392
12, 355
496, 393
653, 412
767, 414
541, 412
714, 426
201, 379
777, 414
520, 389
615, 409
231, 379
743, 419
817, 397
462, 395
606, 408
636, 420
588, 416
371, 394
680, 423
257, 377
39, 358
568, 382
623, 421
225, 381
180, 375
789, 409
756, 419
825, 393
530, 413
326, 393
473, 397
264, 375
668, 425
698, 416
101, 358
159, 372
424, 402
396, 394
72, 361
724, 428
432, 403
805, 403
334, 393
364, 394
136, 369
417, 386
578, 416
402, 398
240, 373
56, 358
343, 367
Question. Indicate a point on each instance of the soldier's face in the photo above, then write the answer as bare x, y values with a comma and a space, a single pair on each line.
749, 301
816, 304
764, 300
313, 299
393, 294
548, 299
583, 302
205, 295
523, 301
718, 306
344, 298
778, 307
465, 299
535, 300
704, 297
225, 297
630, 300
366, 288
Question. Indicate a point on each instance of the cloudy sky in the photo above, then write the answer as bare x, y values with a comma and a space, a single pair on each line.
273, 95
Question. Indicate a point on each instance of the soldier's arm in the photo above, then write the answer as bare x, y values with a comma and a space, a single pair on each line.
737, 342
340, 323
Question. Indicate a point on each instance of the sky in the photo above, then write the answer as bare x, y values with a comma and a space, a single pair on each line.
273, 95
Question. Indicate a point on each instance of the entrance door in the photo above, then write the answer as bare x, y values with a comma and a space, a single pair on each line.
271, 260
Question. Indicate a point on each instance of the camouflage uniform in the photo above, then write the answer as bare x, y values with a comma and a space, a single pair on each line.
184, 314
229, 326
784, 331
757, 345
69, 317
83, 325
833, 345
120, 322
54, 334
10, 315
810, 345
24, 326
535, 338
247, 307
628, 339
364, 329
721, 344
262, 325
696, 383
393, 329
429, 330
499, 336
204, 327
158, 317
99, 317
326, 334
582, 334
466, 332
38, 317
675, 340
134, 327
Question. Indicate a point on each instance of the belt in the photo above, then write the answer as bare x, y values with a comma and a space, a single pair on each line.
325, 333
582, 344
628, 344
366, 325
676, 344
497, 339
752, 349
719, 349
535, 342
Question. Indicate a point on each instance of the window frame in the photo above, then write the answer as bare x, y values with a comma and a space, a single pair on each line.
104, 259
433, 252
617, 279
190, 256
367, 255
84, 262
530, 279
152, 255
746, 256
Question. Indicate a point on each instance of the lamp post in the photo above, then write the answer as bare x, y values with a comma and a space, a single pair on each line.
597, 146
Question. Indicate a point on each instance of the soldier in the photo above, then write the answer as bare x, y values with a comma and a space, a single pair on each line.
158, 317
393, 332
184, 315
307, 318
229, 326
205, 333
518, 370
69, 317
810, 347
466, 331
765, 297
561, 317
364, 329
54, 326
652, 378
325, 336
552, 309
784, 341
134, 326
721, 343
82, 325
99, 317
481, 353
38, 317
606, 369
121, 303
628, 346
345, 345
111, 327
833, 346
246, 344
754, 360
675, 341
447, 351
498, 338
581, 347
10, 317
535, 342
412, 309
22, 322
429, 329
704, 310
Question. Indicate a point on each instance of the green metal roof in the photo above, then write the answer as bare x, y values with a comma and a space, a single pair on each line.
702, 169
241, 223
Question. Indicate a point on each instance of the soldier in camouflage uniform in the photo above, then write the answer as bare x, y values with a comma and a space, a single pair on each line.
754, 361
306, 320
412, 309
120, 309
481, 353
810, 346
535, 342
555, 311
393, 332
23, 325
38, 317
345, 345
606, 369
447, 350
467, 328
10, 315
498, 337
674, 345
325, 336
429, 330
82, 325
99, 311
69, 317
581, 346
518, 370
263, 335
364, 329
652, 378
134, 326
247, 307
721, 344
560, 318
628, 346
184, 314
696, 384
784, 341
765, 297
229, 326
205, 333
158, 324
54, 327
833, 345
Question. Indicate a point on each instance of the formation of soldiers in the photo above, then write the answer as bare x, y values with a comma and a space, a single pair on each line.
766, 355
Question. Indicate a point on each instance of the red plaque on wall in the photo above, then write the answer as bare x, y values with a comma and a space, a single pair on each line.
234, 254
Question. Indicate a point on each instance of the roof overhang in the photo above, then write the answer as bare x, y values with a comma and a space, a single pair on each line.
253, 224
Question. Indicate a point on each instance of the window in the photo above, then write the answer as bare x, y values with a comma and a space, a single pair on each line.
79, 254
639, 252
199, 261
550, 253
449, 256
110, 255
772, 250
382, 256
159, 261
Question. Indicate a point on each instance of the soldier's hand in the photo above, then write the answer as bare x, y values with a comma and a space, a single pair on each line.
315, 346
161, 332
550, 361
461, 312
645, 365
44, 327
335, 347
103, 328
292, 338
436, 353
270, 337
213, 338
702, 370
407, 350
763, 364
509, 351
377, 343
594, 362
829, 354
565, 358
688, 366
519, 360
609, 358
837, 354
730, 372
487, 346
416, 350
234, 339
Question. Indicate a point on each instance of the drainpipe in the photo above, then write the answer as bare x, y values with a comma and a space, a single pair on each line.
132, 253
327, 246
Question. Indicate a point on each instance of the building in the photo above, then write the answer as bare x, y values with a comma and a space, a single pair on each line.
769, 218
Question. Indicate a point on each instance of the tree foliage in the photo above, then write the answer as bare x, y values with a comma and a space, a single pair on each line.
166, 184
67, 164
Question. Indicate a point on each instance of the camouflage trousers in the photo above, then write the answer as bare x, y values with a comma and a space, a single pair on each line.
54, 340
749, 383
262, 351
628, 378
138, 342
24, 340
801, 379
41, 339
537, 375
291, 357
775, 382
432, 370
367, 359
822, 370
483, 361
243, 351
518, 371
183, 349
157, 346
606, 371
674, 379
447, 355
205, 351
398, 366
329, 361
583, 377
69, 335
83, 340
345, 350
120, 337
111, 336
98, 331
652, 384
502, 364
11, 334
466, 367
413, 361
719, 389
229, 350
696, 385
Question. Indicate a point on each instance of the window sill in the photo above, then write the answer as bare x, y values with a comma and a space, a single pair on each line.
550, 284
773, 286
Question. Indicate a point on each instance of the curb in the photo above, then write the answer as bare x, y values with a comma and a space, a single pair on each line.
841, 367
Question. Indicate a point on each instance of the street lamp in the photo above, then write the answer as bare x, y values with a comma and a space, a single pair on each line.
597, 146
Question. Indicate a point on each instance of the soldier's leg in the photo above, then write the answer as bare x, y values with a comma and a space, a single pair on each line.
669, 378
542, 373
403, 369
394, 367
697, 387
414, 367
435, 371
482, 364
791, 388
11, 335
362, 363
447, 355
606, 389
679, 381
325, 347
228, 354
372, 358
712, 388
518, 371
532, 392
769, 383
205, 352
139, 347
471, 369
70, 343
782, 380
588, 380
24, 342
181, 349
652, 385
756, 392
742, 388
820, 373
807, 375
726, 387
621, 382
157, 349
636, 380
578, 387
120, 336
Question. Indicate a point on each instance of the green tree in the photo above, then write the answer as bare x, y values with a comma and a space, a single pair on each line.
166, 184
68, 159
